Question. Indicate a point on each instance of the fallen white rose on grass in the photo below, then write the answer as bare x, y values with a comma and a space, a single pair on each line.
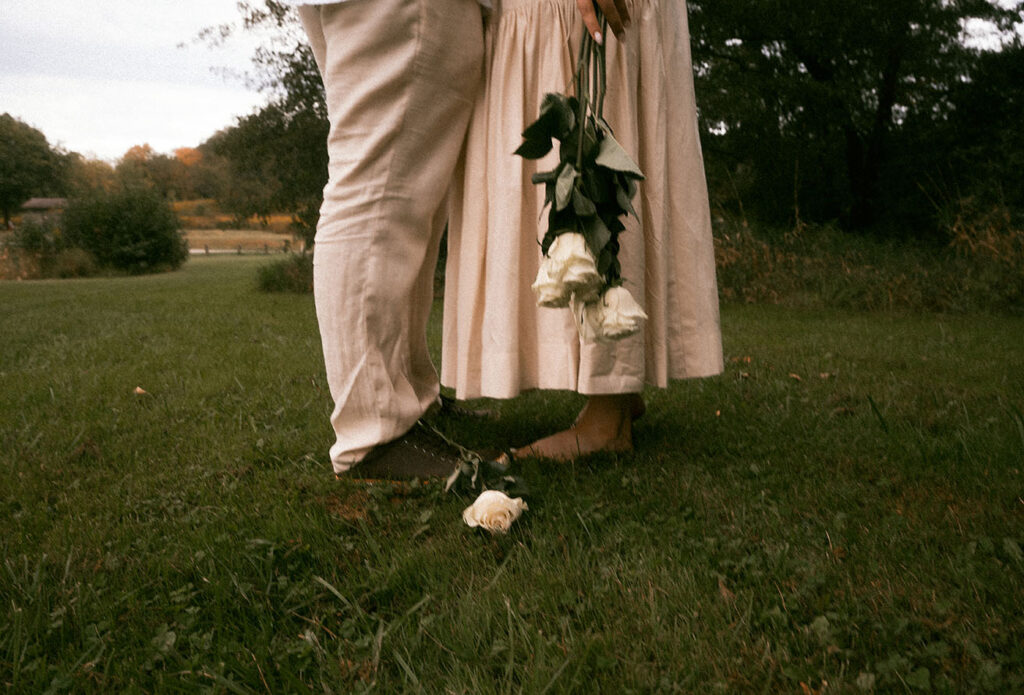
494, 511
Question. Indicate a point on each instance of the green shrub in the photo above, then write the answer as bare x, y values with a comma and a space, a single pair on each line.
293, 274
70, 263
824, 267
38, 249
37, 236
133, 230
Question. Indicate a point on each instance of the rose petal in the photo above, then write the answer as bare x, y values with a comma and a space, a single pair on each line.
571, 259
621, 315
550, 290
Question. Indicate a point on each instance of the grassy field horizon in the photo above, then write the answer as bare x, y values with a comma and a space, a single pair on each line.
840, 511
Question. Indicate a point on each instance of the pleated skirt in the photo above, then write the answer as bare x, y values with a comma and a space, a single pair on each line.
496, 341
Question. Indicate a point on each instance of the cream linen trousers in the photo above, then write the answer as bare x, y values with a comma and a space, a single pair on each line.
400, 78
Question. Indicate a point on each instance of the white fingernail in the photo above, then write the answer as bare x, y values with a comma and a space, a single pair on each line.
599, 39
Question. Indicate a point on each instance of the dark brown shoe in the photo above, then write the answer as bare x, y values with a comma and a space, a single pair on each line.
418, 453
450, 407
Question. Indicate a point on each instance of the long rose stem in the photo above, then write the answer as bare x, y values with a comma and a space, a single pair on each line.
601, 69
582, 96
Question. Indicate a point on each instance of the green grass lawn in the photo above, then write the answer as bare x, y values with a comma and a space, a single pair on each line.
840, 511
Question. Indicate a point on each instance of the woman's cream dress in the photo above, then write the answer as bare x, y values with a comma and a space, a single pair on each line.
497, 341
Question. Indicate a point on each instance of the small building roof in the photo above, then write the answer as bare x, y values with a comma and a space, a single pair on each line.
44, 203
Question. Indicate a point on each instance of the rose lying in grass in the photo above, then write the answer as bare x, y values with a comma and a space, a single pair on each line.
494, 511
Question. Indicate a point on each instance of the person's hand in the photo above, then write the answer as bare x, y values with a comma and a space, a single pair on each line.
614, 11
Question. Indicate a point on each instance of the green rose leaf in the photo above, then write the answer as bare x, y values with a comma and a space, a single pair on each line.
597, 235
613, 223
548, 178
610, 155
630, 185
534, 149
556, 119
593, 184
622, 197
569, 147
581, 204
564, 187
563, 219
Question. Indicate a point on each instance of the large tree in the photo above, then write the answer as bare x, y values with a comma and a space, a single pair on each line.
28, 165
276, 157
803, 97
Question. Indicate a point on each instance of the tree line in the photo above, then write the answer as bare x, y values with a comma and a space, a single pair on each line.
874, 115
878, 116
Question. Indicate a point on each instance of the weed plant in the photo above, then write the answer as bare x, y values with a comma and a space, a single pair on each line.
840, 511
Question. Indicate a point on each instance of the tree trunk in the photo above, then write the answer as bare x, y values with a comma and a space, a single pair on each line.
864, 159
861, 211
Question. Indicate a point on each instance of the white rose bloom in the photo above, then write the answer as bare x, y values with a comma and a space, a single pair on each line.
494, 511
549, 288
570, 252
621, 315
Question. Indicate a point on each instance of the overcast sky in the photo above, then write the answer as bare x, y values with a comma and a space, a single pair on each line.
98, 76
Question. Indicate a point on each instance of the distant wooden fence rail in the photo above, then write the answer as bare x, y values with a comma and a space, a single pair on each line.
286, 246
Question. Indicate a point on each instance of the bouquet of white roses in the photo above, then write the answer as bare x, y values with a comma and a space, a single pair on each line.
588, 192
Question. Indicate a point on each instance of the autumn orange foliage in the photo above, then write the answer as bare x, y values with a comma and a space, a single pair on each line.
189, 156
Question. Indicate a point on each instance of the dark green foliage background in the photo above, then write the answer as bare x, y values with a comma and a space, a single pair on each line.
872, 113
29, 165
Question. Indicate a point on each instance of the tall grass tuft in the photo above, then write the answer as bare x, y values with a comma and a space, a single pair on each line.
989, 244
293, 274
